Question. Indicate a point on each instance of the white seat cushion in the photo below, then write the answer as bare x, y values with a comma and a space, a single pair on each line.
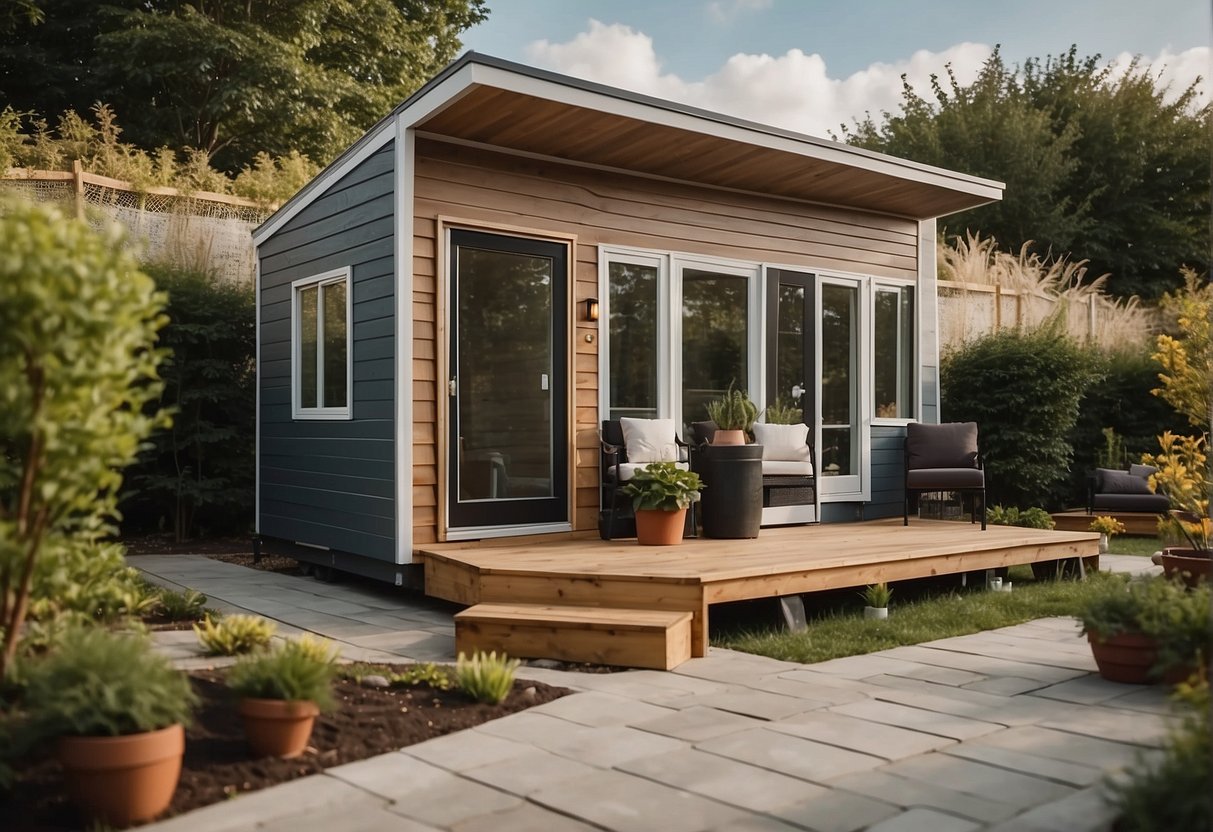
783, 443
649, 440
778, 468
627, 470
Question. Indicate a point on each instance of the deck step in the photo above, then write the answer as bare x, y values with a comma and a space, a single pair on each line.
657, 639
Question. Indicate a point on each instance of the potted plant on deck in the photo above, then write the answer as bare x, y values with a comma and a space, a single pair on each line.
733, 508
282, 692
661, 493
734, 415
117, 711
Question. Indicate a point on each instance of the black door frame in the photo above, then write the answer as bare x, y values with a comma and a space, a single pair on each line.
488, 513
808, 282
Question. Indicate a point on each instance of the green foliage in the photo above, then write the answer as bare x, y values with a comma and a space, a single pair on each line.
1113, 454
486, 677
1105, 524
296, 670
198, 473
87, 580
663, 486
877, 595
436, 676
1157, 606
1187, 357
235, 78
1102, 164
78, 323
1022, 388
99, 683
733, 410
235, 634
1029, 518
189, 605
782, 413
1171, 791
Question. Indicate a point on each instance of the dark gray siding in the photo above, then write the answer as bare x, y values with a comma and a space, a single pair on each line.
888, 473
333, 483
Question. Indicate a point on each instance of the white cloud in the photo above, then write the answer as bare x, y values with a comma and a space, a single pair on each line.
723, 11
1177, 71
794, 90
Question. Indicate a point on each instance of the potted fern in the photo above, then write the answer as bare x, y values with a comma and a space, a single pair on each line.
876, 599
116, 709
282, 692
734, 415
661, 493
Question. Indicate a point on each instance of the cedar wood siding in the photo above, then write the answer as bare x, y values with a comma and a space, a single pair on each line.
600, 207
332, 483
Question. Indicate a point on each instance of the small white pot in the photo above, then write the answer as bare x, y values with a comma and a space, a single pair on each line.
875, 612
1103, 543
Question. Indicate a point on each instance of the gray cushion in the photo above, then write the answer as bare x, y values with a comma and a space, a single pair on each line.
1149, 503
950, 445
1143, 471
1111, 481
945, 478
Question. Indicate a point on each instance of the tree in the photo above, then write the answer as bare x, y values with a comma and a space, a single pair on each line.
78, 324
234, 77
1109, 167
1187, 359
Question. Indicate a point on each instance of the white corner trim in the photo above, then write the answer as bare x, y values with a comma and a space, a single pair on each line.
298, 411
403, 352
257, 394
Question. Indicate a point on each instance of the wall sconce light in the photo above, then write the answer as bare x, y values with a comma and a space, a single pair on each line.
591, 309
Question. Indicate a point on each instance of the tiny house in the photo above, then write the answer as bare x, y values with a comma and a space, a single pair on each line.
447, 312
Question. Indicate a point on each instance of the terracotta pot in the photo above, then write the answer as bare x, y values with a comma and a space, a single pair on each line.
123, 780
1127, 657
729, 437
655, 527
1190, 564
278, 727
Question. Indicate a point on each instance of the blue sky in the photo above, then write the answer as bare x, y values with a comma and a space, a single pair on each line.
808, 64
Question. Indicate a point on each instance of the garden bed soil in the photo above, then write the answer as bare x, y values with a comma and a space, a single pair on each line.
368, 721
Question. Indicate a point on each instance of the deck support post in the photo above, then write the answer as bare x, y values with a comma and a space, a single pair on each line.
794, 618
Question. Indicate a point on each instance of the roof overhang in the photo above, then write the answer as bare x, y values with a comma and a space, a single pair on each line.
488, 102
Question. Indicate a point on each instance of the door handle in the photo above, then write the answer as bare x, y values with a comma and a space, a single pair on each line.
543, 381
452, 387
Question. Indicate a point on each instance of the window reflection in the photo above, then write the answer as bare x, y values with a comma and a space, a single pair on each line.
715, 338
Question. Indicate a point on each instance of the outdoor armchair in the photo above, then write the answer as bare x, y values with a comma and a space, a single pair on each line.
944, 458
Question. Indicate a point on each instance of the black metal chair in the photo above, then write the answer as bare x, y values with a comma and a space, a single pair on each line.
616, 471
944, 458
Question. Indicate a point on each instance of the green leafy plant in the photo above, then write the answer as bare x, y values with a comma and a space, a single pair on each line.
663, 486
1112, 455
486, 677
877, 595
1183, 475
78, 364
733, 410
99, 683
297, 670
782, 413
189, 605
235, 634
436, 676
1106, 525
1176, 617
1028, 518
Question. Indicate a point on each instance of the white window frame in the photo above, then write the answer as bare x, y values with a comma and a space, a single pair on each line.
650, 259
883, 283
852, 487
299, 412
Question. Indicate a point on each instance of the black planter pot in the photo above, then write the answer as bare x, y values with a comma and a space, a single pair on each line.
732, 500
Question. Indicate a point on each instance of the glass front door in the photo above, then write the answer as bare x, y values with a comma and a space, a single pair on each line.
791, 372
508, 429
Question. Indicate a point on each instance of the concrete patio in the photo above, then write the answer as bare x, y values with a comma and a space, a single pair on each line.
1006, 730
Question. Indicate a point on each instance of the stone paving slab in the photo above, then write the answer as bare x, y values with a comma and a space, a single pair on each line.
1084, 811
837, 811
599, 709
600, 747
918, 719
526, 817
909, 794
698, 723
528, 772
1064, 746
1070, 774
986, 665
1015, 788
787, 754
888, 742
924, 820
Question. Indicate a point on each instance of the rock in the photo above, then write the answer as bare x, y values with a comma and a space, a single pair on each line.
375, 681
530, 693
546, 664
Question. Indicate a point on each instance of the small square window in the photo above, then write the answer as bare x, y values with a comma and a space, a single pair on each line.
320, 346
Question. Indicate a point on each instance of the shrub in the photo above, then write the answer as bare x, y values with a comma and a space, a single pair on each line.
98, 683
297, 670
78, 324
1108, 525
1160, 607
1029, 518
235, 634
436, 676
663, 486
189, 605
86, 580
733, 410
1023, 389
485, 677
198, 474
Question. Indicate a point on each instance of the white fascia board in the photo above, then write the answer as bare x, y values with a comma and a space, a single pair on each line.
403, 352
367, 146
839, 154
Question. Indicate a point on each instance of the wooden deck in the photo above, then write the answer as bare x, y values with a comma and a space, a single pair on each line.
619, 574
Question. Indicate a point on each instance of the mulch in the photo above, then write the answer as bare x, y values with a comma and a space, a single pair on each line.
217, 765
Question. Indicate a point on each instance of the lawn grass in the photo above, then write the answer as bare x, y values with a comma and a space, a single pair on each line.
1124, 544
919, 612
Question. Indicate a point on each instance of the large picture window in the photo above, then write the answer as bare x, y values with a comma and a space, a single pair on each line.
320, 346
633, 328
893, 352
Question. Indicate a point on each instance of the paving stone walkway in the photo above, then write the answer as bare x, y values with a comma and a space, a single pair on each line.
1007, 730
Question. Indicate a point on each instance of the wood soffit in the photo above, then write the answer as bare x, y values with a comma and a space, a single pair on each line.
524, 123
